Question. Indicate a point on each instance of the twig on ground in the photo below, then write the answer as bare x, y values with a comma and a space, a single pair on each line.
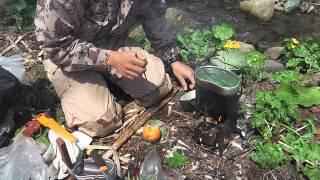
13, 44
243, 155
127, 122
267, 174
26, 46
183, 115
139, 123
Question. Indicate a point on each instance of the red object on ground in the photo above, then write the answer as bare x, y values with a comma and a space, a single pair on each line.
31, 128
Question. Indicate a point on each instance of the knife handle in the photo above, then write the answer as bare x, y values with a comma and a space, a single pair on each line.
64, 152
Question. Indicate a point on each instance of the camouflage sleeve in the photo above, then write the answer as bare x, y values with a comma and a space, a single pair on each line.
160, 33
57, 23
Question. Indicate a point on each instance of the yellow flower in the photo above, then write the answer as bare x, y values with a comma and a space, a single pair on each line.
293, 46
294, 41
232, 44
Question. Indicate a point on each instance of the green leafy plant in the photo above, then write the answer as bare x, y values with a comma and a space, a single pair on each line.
255, 59
223, 32
268, 155
197, 45
276, 117
177, 160
271, 111
304, 56
142, 39
21, 11
230, 59
305, 152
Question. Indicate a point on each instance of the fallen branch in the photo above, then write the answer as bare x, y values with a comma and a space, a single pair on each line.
26, 46
14, 44
139, 123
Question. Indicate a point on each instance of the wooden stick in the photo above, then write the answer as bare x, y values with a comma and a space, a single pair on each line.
14, 44
139, 123
26, 46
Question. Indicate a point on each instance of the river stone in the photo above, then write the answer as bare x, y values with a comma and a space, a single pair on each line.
291, 5
2, 2
274, 52
179, 18
273, 66
262, 9
245, 47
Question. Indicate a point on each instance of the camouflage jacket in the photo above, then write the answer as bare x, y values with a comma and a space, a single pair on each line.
69, 29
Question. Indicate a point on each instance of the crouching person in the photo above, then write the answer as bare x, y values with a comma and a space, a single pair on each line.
86, 42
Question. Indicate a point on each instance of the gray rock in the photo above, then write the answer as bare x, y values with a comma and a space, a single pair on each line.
262, 9
179, 18
291, 5
273, 66
2, 2
245, 47
274, 52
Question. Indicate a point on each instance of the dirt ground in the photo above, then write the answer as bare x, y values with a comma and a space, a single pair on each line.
204, 163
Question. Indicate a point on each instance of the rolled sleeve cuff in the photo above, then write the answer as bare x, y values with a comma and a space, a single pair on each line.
102, 60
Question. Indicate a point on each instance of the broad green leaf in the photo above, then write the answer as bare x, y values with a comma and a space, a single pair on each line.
230, 59
304, 96
155, 122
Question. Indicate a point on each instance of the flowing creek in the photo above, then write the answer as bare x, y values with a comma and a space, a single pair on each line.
204, 13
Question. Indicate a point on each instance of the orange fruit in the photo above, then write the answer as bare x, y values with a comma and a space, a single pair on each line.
151, 133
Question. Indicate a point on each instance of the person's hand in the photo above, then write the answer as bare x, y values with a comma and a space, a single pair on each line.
183, 72
128, 64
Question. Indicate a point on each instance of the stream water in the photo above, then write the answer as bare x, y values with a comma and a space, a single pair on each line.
250, 29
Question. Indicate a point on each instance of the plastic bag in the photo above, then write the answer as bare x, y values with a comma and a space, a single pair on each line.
22, 161
151, 167
14, 65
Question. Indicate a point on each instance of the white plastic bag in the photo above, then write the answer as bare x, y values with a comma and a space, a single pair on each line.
22, 161
14, 65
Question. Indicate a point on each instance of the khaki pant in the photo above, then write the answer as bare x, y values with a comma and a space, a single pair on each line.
88, 104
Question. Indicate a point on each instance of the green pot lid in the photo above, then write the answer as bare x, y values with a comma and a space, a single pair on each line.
218, 79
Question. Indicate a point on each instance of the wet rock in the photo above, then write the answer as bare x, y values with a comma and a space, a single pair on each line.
263, 9
2, 2
273, 66
274, 53
291, 5
179, 18
245, 47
